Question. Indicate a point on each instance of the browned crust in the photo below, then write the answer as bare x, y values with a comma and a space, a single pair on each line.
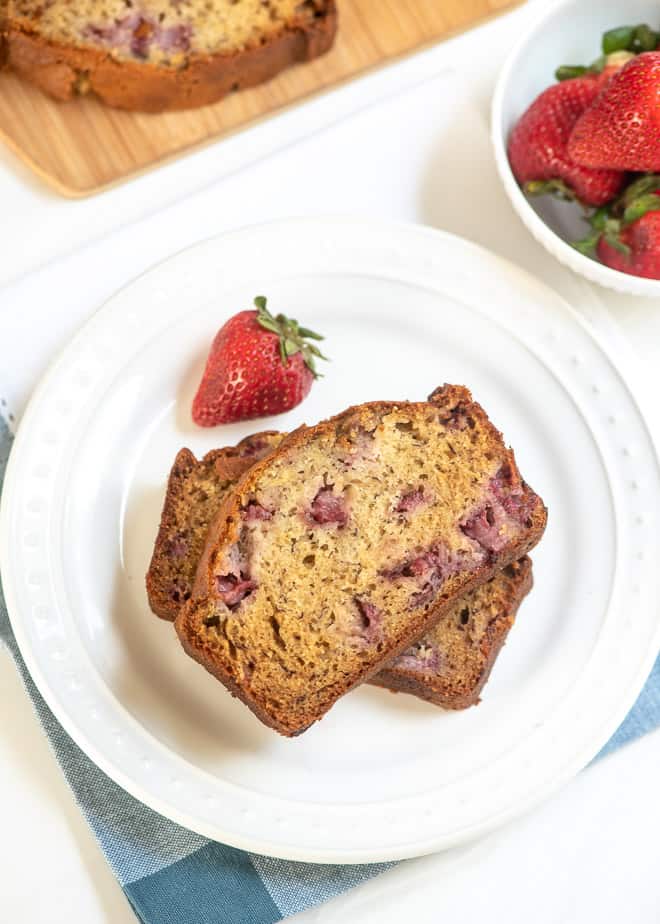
435, 689
65, 71
3, 36
225, 532
156, 580
231, 462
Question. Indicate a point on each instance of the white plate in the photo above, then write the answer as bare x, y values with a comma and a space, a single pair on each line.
381, 777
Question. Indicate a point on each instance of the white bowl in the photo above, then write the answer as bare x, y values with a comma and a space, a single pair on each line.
569, 33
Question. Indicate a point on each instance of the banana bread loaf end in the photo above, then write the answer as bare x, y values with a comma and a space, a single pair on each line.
157, 55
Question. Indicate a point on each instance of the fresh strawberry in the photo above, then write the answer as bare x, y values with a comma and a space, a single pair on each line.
538, 145
638, 250
641, 256
258, 365
626, 236
621, 130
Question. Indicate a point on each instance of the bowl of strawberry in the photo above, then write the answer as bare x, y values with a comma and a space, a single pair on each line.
576, 132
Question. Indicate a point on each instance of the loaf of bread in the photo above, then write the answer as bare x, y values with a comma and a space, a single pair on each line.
156, 55
347, 544
453, 661
448, 667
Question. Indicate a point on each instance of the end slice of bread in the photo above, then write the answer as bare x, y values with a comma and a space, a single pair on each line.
160, 55
347, 544
453, 661
195, 492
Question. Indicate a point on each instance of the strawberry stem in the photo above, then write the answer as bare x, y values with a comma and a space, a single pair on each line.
640, 207
603, 227
292, 338
556, 188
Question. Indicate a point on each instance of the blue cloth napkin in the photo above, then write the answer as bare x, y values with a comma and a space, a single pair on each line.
172, 876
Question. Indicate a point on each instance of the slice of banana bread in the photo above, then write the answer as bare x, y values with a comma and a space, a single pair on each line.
195, 491
449, 666
155, 55
348, 543
453, 661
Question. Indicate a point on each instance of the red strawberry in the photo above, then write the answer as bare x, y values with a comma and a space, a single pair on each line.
621, 130
258, 365
538, 145
639, 254
626, 237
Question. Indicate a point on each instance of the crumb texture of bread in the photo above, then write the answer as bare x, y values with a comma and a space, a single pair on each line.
195, 492
156, 55
451, 664
161, 31
349, 542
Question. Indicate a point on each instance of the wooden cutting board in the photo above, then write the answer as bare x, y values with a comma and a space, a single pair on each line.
82, 147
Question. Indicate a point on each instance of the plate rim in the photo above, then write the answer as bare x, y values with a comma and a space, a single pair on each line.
113, 768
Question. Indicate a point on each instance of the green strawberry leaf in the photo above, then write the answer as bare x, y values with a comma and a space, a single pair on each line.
272, 326
314, 350
588, 244
306, 332
620, 39
600, 218
645, 39
291, 347
602, 226
570, 71
648, 183
640, 207
292, 338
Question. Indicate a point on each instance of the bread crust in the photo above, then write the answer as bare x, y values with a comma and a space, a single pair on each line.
230, 463
435, 689
64, 71
225, 532
158, 594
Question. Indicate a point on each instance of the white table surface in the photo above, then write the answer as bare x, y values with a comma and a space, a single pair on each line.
411, 143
